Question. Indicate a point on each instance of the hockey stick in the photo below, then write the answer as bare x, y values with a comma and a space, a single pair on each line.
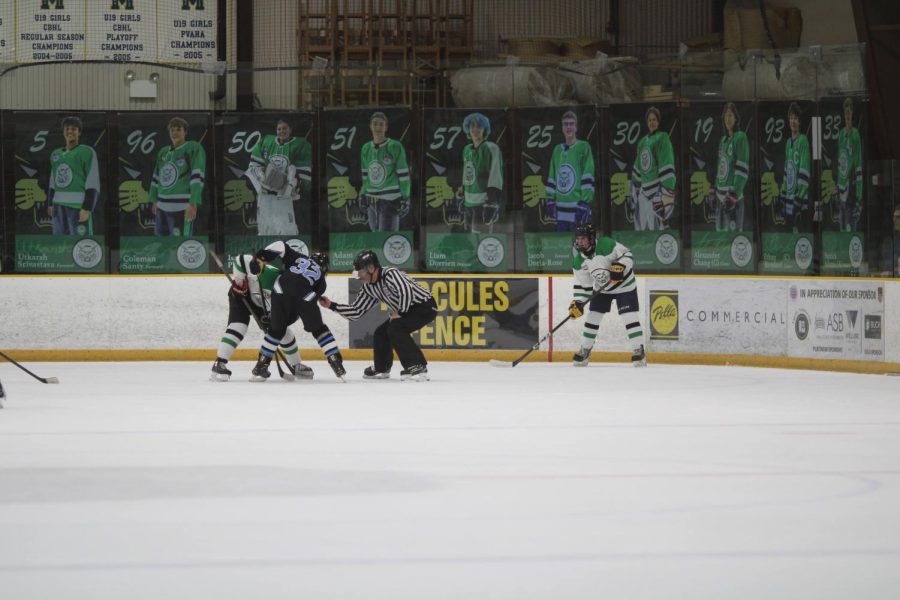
278, 352
41, 379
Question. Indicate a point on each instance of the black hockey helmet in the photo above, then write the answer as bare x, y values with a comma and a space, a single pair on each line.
321, 259
364, 259
586, 231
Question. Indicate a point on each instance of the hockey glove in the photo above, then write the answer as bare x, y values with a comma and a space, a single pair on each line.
240, 288
550, 209
731, 200
404, 207
583, 214
617, 272
576, 309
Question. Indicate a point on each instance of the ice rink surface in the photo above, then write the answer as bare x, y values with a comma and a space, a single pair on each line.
146, 480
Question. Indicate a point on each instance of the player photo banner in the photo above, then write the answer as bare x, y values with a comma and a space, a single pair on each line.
842, 184
59, 168
368, 175
836, 319
267, 190
163, 192
644, 176
484, 313
466, 179
786, 189
720, 142
558, 149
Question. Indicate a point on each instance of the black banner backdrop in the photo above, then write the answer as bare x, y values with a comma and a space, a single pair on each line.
483, 313
243, 131
481, 241
551, 211
655, 241
346, 134
142, 137
718, 172
40, 148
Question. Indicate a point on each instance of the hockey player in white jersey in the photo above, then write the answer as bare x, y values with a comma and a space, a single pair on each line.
604, 271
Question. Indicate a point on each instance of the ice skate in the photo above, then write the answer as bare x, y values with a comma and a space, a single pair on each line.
261, 369
301, 371
336, 361
582, 358
639, 359
414, 373
219, 371
371, 373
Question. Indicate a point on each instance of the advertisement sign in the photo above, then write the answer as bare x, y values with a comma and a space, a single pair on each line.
472, 313
705, 316
369, 174
837, 319
468, 218
644, 170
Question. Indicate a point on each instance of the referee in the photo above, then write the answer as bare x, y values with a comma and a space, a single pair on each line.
412, 307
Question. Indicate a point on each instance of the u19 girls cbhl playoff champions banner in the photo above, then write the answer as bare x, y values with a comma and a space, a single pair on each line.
166, 31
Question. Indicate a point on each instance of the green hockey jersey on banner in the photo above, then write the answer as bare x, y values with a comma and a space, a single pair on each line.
654, 164
72, 172
385, 172
295, 152
734, 165
796, 168
850, 162
482, 169
178, 177
571, 175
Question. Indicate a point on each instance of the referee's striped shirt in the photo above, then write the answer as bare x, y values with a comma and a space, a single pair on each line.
394, 287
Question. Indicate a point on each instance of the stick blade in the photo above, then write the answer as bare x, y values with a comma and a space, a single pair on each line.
500, 363
50, 380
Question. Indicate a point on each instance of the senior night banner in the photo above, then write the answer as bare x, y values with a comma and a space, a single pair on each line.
642, 162
558, 150
256, 214
468, 226
59, 171
487, 313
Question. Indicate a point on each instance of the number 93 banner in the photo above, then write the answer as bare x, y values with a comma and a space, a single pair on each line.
164, 208
58, 173
466, 174
368, 175
558, 187
644, 179
267, 180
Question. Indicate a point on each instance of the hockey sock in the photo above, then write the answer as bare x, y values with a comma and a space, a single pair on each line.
269, 346
234, 334
589, 331
633, 329
289, 347
326, 341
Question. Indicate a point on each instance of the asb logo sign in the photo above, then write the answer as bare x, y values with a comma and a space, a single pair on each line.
663, 315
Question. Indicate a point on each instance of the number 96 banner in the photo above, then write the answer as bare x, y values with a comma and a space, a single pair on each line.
164, 208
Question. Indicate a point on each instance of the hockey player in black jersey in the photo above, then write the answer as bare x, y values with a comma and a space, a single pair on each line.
294, 296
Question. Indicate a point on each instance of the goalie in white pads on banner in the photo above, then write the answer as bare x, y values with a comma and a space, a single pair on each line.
604, 271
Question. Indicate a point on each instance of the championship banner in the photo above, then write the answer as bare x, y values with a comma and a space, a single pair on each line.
163, 196
837, 319
644, 173
63, 157
256, 213
739, 316
843, 184
468, 205
472, 313
559, 181
165, 31
786, 187
719, 166
369, 174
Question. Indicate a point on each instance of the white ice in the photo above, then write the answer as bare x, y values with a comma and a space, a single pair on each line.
147, 481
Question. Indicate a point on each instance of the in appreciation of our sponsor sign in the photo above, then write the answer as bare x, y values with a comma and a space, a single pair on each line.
836, 319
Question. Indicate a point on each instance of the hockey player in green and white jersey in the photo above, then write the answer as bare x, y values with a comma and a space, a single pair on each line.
849, 172
281, 172
482, 179
176, 190
570, 180
385, 178
604, 271
652, 198
727, 197
794, 197
74, 183
256, 290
